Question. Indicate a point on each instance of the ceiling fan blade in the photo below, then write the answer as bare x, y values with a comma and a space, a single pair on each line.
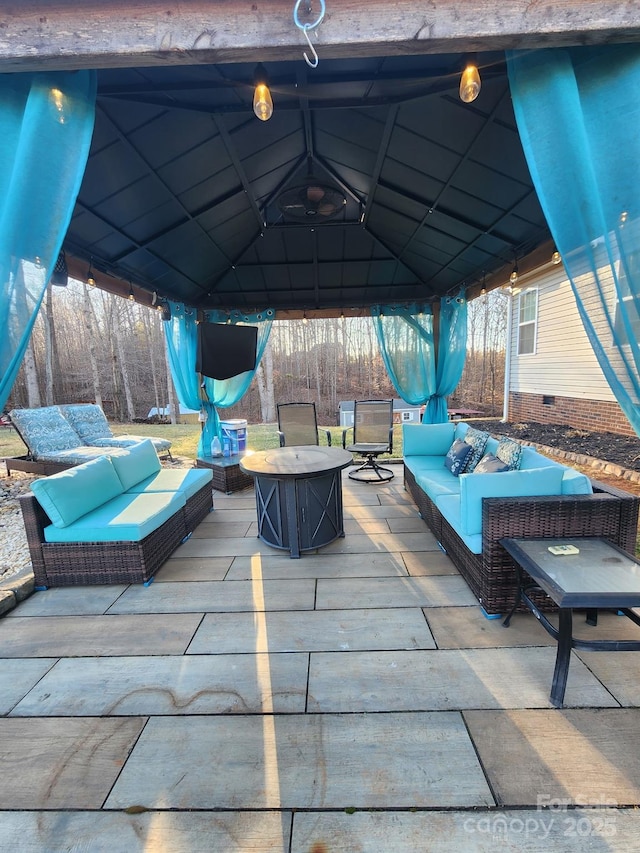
315, 193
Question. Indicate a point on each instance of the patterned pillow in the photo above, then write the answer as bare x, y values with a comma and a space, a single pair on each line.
457, 456
478, 441
510, 452
88, 420
489, 464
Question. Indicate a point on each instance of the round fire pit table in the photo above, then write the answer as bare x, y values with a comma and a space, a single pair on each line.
298, 495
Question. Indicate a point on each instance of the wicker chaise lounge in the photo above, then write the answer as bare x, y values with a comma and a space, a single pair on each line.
112, 520
59, 437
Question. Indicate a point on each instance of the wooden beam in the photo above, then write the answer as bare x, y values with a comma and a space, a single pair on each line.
119, 33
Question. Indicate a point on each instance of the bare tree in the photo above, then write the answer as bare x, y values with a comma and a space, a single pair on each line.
91, 340
52, 366
31, 377
264, 381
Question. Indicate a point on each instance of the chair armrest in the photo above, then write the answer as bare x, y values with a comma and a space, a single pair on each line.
281, 438
344, 437
391, 439
328, 434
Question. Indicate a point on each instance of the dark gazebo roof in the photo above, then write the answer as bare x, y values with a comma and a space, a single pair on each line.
371, 183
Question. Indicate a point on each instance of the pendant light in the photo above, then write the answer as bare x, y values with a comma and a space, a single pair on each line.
262, 103
470, 83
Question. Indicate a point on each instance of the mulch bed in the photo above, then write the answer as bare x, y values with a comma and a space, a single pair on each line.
620, 449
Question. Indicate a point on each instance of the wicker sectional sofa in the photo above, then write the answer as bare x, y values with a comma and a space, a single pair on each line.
114, 519
470, 513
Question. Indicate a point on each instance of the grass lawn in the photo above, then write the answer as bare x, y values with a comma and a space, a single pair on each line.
184, 438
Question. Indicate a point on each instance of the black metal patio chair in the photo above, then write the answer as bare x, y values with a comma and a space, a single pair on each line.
298, 424
372, 435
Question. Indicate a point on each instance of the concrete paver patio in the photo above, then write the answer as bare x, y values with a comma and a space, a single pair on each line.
355, 699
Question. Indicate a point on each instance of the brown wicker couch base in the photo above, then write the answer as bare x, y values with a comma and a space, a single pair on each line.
77, 564
608, 512
198, 507
227, 476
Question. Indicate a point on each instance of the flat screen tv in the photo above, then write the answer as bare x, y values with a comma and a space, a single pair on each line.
225, 350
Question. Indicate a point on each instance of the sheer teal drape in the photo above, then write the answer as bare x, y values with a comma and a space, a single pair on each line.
419, 373
405, 338
578, 115
452, 350
199, 392
46, 123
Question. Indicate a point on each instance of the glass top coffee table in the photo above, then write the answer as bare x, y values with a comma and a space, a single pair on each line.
597, 575
298, 495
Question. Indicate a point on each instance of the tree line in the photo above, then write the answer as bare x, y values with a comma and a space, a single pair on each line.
91, 346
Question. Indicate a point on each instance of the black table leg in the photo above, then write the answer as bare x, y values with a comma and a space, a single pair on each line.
292, 518
563, 657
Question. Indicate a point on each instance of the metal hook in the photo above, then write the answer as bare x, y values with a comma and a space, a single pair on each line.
311, 63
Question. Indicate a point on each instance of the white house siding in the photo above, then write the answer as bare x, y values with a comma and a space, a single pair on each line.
564, 364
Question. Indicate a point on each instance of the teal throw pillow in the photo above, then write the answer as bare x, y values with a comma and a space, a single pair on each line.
489, 464
478, 441
456, 456
510, 452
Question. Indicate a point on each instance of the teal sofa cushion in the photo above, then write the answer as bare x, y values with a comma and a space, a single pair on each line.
532, 459
438, 482
427, 439
508, 484
449, 507
125, 518
69, 495
575, 483
139, 463
188, 481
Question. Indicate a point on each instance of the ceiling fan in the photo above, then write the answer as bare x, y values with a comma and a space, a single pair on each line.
311, 201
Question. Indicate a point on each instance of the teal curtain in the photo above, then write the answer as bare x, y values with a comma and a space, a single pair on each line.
452, 350
578, 115
420, 373
199, 392
405, 338
46, 124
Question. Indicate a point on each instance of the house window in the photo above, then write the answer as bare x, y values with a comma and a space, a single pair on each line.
407, 416
631, 302
527, 321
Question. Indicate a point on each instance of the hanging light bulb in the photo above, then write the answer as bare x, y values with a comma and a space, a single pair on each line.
90, 279
58, 101
131, 296
304, 317
470, 83
556, 257
262, 103
514, 274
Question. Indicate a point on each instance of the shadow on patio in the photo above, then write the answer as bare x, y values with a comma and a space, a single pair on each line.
354, 699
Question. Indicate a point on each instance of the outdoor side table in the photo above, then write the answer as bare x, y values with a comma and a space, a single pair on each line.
298, 495
227, 476
600, 575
